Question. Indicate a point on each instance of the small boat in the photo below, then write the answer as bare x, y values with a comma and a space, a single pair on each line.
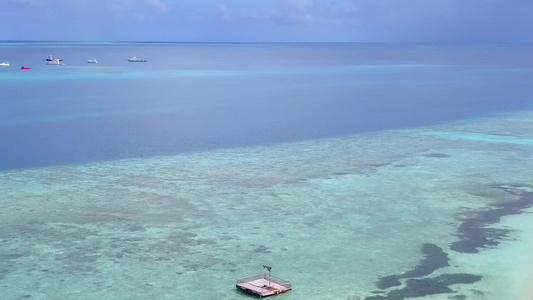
4, 64
55, 61
135, 59
51, 58
92, 61
25, 68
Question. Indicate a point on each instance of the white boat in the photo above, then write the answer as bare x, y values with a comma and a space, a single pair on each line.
92, 61
53, 61
134, 59
51, 58
4, 64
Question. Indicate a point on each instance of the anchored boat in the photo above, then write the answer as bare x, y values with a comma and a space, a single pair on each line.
135, 59
51, 58
53, 61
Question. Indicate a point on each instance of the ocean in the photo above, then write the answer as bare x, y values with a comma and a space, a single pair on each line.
357, 171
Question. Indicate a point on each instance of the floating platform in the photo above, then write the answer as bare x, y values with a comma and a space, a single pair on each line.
263, 285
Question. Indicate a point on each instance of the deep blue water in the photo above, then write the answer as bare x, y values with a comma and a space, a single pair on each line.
196, 97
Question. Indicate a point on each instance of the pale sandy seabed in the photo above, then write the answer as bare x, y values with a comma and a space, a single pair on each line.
333, 216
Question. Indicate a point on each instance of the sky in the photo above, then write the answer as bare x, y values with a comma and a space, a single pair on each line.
426, 21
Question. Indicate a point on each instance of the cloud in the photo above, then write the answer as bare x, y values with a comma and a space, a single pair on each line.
158, 6
131, 9
298, 20
35, 3
67, 8
413, 20
224, 13
315, 13
295, 12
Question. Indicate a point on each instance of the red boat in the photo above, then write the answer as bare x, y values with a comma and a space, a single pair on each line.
25, 68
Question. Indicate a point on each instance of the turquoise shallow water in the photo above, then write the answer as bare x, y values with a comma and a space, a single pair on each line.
332, 219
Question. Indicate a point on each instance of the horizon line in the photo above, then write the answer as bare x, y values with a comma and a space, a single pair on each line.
264, 43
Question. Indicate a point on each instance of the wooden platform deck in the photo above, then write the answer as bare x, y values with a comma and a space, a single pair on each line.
259, 285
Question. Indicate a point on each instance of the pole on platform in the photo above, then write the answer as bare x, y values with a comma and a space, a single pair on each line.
269, 269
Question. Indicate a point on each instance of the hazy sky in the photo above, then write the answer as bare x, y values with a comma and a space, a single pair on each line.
497, 21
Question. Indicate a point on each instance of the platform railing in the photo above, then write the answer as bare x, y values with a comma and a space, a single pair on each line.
250, 278
274, 279
279, 281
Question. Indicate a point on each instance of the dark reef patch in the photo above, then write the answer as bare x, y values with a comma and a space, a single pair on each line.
11, 256
262, 249
415, 288
439, 155
434, 258
474, 233
379, 165
135, 227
